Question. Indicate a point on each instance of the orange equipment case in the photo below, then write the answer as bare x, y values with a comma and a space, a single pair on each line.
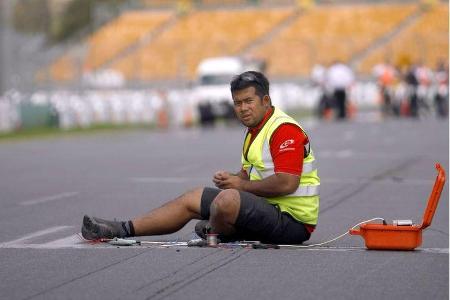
395, 237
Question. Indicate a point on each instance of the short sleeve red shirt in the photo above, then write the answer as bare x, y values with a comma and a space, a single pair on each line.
287, 149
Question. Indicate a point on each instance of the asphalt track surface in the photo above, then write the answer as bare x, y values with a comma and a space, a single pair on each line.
368, 169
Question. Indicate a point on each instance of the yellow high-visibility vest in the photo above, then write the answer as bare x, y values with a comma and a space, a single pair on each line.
303, 204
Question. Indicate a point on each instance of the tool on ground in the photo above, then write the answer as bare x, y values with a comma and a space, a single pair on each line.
123, 242
197, 243
402, 234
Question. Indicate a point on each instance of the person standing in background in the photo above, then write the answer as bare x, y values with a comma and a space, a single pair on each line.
339, 79
412, 83
318, 79
424, 77
386, 77
441, 96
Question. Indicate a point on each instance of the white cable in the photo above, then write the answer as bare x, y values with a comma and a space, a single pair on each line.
332, 240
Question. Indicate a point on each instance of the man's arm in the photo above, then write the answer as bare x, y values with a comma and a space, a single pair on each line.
287, 151
279, 184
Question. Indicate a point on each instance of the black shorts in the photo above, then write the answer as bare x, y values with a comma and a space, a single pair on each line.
259, 221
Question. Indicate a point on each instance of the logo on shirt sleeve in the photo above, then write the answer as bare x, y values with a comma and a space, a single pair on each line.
286, 144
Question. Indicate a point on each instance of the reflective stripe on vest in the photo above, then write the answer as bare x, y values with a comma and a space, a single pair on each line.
306, 191
308, 167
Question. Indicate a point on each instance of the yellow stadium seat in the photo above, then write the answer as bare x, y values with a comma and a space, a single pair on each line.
426, 41
196, 36
326, 33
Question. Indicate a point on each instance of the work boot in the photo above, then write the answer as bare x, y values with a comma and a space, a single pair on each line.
96, 228
202, 228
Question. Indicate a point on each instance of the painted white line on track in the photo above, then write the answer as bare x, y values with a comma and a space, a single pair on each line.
396, 181
344, 153
434, 250
167, 179
310, 123
21, 241
49, 198
185, 168
75, 242
354, 154
44, 246
349, 135
71, 240
346, 249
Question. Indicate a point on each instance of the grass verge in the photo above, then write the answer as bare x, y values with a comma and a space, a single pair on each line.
46, 132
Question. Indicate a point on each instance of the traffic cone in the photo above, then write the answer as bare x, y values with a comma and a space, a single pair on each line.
163, 118
404, 109
188, 119
328, 114
351, 110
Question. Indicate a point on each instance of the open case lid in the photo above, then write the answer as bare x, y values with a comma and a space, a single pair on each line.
434, 197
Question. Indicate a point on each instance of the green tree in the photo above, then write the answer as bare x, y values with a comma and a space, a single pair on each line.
76, 15
31, 16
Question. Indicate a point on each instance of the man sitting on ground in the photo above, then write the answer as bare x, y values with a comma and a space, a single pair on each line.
274, 198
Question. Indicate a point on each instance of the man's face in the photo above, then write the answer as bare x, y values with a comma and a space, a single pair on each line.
249, 107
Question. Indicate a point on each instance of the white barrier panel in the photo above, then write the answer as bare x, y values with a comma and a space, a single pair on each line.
178, 107
9, 116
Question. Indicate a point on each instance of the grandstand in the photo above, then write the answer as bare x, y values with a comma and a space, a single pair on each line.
327, 33
119, 34
196, 36
425, 41
65, 68
159, 45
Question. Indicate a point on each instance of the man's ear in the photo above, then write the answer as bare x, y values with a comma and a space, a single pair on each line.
266, 101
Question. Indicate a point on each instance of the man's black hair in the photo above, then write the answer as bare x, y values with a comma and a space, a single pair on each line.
248, 79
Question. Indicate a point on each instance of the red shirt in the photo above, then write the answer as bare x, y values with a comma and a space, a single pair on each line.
286, 147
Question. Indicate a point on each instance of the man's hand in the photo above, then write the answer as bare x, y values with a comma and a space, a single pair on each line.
226, 180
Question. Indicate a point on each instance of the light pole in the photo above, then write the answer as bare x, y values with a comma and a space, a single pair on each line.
6, 46
3, 19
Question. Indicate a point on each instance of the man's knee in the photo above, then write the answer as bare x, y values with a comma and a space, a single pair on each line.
194, 193
226, 204
191, 199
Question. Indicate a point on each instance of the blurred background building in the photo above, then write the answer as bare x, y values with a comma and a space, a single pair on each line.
74, 47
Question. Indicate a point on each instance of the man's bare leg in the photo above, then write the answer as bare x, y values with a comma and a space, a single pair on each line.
170, 217
166, 219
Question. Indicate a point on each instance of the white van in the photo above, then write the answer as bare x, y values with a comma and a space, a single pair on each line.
212, 90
